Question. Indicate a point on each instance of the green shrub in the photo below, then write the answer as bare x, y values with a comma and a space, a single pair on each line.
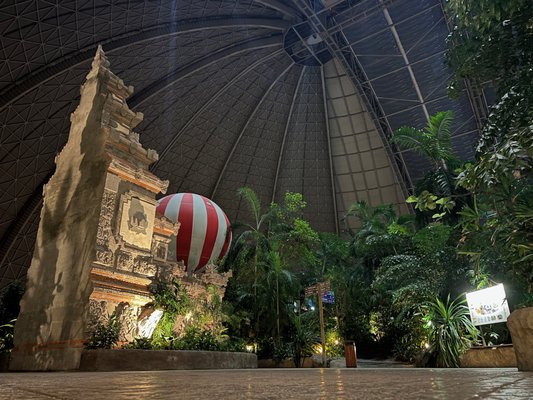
303, 339
450, 331
9, 309
6, 337
140, 343
105, 336
198, 339
170, 297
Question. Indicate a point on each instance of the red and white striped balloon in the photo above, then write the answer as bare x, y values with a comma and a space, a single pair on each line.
204, 234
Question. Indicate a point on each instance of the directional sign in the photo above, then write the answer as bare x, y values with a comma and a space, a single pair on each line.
323, 286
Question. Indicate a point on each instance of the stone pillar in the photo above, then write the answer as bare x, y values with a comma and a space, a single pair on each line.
51, 327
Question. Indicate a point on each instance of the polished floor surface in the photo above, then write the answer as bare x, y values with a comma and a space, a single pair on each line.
272, 384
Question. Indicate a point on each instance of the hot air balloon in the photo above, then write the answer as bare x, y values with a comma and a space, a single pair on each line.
205, 232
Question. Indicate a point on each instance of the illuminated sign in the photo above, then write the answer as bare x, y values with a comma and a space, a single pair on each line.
328, 297
488, 306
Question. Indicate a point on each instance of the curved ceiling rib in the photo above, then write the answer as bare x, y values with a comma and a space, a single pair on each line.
289, 116
180, 73
326, 117
18, 89
221, 91
258, 105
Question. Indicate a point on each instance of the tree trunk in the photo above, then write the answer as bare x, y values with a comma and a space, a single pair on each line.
277, 304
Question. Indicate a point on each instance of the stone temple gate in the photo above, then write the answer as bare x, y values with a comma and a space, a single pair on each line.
100, 242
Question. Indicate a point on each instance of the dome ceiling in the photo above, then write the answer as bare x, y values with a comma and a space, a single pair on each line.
277, 95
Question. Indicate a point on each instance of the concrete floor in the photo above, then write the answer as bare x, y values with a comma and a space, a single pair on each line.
382, 383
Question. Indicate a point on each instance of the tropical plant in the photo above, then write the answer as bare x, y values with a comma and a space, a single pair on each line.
266, 259
6, 336
9, 309
278, 281
105, 336
247, 252
140, 343
490, 42
434, 141
10, 297
170, 297
304, 337
198, 339
449, 329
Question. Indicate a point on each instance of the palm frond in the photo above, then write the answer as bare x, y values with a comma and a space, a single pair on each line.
410, 138
439, 127
252, 200
358, 209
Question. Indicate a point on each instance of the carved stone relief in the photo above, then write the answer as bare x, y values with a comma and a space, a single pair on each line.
125, 261
144, 266
104, 257
127, 315
137, 220
98, 314
106, 216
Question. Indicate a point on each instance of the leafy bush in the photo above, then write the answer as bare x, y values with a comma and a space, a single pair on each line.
234, 345
140, 343
198, 339
9, 309
105, 336
6, 337
170, 297
303, 339
450, 331
282, 350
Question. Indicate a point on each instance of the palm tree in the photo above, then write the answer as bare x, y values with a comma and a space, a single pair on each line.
376, 220
373, 219
255, 237
380, 233
279, 282
433, 142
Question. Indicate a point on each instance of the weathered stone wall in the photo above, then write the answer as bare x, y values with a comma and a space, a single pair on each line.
50, 329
